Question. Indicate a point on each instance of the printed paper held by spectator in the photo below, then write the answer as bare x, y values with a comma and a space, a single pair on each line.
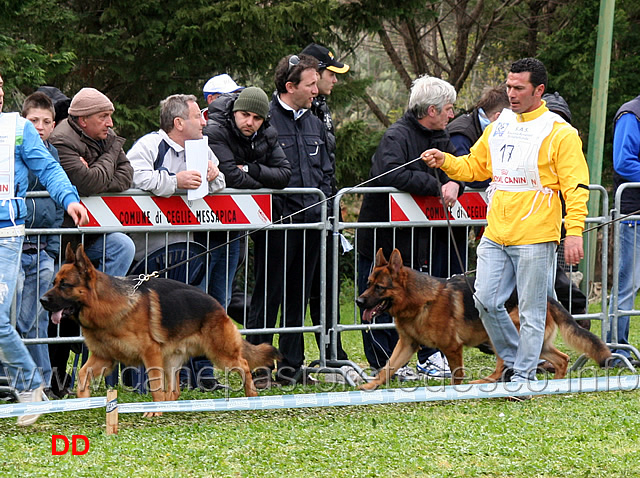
196, 151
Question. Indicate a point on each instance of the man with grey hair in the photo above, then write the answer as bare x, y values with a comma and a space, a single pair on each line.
430, 109
160, 167
158, 158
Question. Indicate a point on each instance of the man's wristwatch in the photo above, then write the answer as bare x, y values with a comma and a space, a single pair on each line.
245, 168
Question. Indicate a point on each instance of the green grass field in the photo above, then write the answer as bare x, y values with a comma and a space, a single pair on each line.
576, 435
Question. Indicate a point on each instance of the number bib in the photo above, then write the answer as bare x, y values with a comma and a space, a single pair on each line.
514, 148
7, 154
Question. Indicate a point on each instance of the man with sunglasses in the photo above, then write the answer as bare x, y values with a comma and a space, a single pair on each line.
328, 70
289, 258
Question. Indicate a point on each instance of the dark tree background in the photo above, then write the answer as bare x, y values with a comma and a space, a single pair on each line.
139, 52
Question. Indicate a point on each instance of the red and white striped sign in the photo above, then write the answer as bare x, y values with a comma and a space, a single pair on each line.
405, 207
220, 210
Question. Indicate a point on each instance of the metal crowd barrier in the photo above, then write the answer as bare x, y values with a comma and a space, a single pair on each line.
595, 225
126, 213
623, 221
129, 222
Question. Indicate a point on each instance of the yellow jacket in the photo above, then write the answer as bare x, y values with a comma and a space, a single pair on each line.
562, 167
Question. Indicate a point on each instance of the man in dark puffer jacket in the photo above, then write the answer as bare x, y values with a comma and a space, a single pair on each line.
250, 156
245, 143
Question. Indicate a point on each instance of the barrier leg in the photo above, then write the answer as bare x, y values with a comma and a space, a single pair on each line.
112, 412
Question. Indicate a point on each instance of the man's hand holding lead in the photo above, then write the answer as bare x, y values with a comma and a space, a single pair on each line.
433, 157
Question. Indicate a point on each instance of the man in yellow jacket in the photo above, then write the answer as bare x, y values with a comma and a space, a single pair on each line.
532, 157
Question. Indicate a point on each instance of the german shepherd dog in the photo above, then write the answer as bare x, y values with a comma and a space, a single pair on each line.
441, 313
159, 324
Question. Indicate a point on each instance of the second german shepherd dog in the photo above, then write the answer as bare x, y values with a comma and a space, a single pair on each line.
159, 324
441, 313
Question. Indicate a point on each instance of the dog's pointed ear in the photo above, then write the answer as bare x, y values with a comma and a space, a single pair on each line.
380, 259
395, 261
82, 262
69, 256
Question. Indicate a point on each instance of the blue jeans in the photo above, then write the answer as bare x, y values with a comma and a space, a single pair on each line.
223, 262
117, 250
628, 282
34, 279
18, 364
500, 269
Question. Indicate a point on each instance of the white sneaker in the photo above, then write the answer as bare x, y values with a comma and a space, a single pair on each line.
436, 366
406, 374
29, 396
339, 378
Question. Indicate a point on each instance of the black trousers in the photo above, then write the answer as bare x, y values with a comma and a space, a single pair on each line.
284, 265
315, 306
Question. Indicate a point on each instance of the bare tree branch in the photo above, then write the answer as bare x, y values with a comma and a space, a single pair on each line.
378, 113
396, 61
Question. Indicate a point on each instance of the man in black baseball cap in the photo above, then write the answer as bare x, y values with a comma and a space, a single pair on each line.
328, 66
326, 58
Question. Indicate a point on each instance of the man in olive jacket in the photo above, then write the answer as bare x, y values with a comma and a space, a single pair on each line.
91, 154
250, 157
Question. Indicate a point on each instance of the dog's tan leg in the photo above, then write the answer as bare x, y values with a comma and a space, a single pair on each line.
173, 393
172, 378
236, 363
559, 360
157, 385
95, 367
225, 347
250, 389
402, 353
456, 364
495, 376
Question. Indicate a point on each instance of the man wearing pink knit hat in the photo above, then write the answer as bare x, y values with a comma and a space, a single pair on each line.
92, 156
90, 151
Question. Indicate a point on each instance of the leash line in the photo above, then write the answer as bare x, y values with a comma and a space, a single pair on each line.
363, 183
285, 218
455, 246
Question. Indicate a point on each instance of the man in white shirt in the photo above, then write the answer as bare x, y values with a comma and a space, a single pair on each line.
158, 158
159, 164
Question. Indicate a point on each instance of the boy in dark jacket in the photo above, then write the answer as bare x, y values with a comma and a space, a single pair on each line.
38, 251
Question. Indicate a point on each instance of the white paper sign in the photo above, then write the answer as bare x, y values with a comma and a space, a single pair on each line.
197, 155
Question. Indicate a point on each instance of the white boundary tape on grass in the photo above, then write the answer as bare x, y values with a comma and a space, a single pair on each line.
391, 395
52, 406
335, 399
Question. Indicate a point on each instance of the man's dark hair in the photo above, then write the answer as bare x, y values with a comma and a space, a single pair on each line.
494, 99
288, 70
538, 73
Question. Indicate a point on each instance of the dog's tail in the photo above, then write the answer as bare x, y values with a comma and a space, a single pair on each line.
262, 355
576, 337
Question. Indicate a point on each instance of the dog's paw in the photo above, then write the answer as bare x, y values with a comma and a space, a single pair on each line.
151, 414
368, 386
483, 380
